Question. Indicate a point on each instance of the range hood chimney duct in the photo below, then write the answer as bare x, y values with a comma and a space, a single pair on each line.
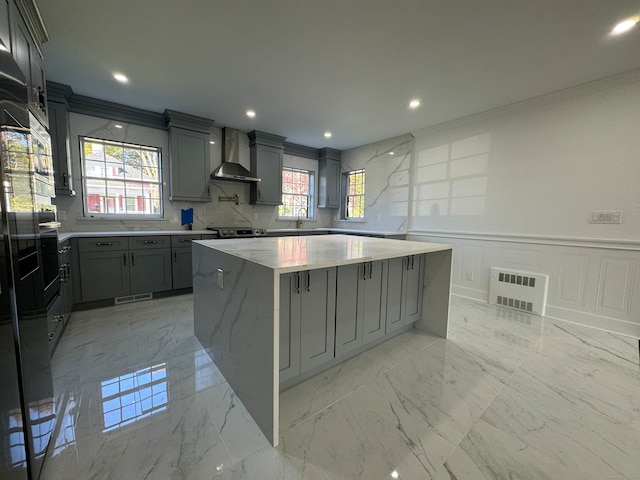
230, 168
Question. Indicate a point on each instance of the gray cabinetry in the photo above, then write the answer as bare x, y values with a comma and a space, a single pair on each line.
5, 25
104, 268
182, 269
307, 320
150, 265
329, 170
360, 305
289, 326
190, 157
404, 291
55, 322
66, 285
266, 152
60, 144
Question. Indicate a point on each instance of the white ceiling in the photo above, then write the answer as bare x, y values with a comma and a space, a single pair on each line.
348, 66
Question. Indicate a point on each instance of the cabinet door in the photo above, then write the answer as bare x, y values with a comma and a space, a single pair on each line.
55, 321
396, 269
38, 87
414, 275
104, 275
190, 165
182, 270
329, 184
317, 317
266, 163
59, 131
289, 326
150, 270
348, 308
373, 313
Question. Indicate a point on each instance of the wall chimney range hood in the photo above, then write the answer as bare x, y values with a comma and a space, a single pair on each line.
230, 168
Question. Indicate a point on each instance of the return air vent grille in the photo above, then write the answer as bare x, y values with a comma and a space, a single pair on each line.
522, 291
133, 298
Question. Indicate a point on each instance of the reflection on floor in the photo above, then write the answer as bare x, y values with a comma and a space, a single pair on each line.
508, 395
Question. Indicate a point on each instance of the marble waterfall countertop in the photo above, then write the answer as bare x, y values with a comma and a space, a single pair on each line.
62, 236
293, 253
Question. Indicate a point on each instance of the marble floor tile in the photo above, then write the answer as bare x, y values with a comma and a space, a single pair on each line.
507, 396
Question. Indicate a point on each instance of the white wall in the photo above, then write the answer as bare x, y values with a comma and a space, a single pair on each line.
221, 213
386, 184
514, 188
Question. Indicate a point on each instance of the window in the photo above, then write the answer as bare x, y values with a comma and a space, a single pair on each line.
120, 179
354, 198
297, 194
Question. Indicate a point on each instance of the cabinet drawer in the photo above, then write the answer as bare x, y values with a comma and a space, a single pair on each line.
155, 241
183, 240
103, 244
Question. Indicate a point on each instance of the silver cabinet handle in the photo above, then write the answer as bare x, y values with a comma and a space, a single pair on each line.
105, 244
370, 270
183, 240
124, 258
308, 280
152, 242
297, 287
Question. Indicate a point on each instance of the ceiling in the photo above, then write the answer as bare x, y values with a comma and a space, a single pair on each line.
346, 66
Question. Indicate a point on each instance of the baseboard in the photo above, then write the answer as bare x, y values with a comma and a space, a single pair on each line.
467, 292
599, 322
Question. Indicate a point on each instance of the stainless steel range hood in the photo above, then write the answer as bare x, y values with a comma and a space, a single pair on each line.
230, 169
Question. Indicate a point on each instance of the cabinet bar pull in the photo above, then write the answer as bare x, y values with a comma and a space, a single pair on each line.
297, 287
105, 244
182, 240
413, 259
175, 256
147, 242
133, 260
308, 280
124, 259
370, 270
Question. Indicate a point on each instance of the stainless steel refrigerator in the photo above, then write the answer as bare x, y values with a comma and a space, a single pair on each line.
27, 411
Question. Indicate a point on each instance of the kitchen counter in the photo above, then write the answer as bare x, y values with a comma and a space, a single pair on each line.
237, 302
344, 231
63, 236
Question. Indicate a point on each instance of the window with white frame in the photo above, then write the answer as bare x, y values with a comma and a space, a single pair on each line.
354, 194
297, 193
120, 179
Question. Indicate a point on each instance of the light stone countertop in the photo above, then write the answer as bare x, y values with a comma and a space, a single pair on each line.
293, 253
63, 236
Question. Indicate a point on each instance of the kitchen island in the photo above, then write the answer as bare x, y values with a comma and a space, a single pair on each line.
261, 302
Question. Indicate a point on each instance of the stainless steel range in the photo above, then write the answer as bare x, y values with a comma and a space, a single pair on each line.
237, 232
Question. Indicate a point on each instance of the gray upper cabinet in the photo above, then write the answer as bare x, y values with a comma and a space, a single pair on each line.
25, 42
266, 153
329, 169
59, 130
190, 157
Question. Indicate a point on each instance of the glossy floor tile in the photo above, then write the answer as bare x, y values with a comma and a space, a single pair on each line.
506, 396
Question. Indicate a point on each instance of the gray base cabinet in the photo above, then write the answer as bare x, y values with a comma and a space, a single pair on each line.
104, 274
404, 291
360, 300
307, 320
120, 266
289, 326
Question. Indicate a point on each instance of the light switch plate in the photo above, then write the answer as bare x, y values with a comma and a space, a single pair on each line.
221, 279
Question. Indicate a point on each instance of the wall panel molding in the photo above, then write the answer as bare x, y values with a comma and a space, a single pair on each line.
610, 244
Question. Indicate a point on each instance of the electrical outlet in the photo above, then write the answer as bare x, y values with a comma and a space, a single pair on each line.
469, 276
605, 216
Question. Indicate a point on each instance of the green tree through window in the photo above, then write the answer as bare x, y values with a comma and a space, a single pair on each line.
355, 194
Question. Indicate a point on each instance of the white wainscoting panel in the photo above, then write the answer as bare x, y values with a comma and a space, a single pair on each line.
591, 282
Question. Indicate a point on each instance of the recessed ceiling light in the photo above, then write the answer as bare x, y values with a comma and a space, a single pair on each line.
415, 103
212, 142
251, 113
392, 153
121, 77
328, 134
117, 125
625, 25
